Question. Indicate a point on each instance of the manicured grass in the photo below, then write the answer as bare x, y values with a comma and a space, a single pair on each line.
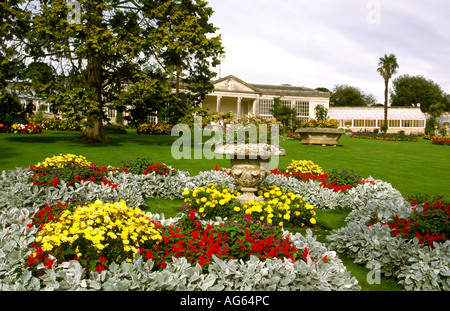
411, 167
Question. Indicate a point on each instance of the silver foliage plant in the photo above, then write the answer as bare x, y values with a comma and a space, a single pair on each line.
415, 268
19, 202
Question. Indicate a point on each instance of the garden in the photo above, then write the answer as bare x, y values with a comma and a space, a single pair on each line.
126, 216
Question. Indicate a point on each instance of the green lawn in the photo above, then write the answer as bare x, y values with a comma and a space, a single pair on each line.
412, 168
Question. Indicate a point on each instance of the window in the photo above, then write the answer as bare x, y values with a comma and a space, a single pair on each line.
413, 123
112, 113
264, 108
420, 123
358, 123
394, 123
371, 123
302, 109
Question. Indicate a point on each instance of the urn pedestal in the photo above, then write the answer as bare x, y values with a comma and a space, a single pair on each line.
250, 165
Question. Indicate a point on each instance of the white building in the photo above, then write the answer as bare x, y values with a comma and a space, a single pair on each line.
409, 119
242, 98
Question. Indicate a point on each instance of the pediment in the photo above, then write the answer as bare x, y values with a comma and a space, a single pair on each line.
231, 83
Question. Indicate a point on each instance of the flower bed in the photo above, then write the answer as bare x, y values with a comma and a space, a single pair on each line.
146, 166
408, 244
389, 137
154, 129
68, 169
3, 128
441, 141
89, 244
197, 250
307, 170
56, 124
19, 128
429, 137
278, 208
321, 124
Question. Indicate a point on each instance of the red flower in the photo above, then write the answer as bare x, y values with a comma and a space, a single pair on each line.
162, 264
195, 234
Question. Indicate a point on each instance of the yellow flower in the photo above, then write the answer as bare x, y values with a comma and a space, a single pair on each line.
313, 221
186, 192
237, 208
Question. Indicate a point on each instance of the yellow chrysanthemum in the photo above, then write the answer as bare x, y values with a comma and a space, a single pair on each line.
118, 225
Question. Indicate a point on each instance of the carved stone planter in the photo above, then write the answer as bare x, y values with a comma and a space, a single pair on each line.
250, 165
320, 136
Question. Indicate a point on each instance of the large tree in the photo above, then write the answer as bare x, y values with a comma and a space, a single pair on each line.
349, 96
102, 47
412, 90
387, 67
13, 27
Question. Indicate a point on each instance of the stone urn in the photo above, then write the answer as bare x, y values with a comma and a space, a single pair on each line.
320, 136
250, 165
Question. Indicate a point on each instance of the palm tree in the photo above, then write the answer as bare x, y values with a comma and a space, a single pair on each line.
387, 67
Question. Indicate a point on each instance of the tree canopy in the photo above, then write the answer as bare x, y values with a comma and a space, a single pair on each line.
412, 90
344, 95
99, 48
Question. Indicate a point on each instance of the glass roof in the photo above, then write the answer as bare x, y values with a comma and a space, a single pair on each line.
375, 113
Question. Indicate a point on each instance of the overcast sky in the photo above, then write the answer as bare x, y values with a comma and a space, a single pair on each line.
322, 43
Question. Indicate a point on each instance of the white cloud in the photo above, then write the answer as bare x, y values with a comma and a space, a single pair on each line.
327, 42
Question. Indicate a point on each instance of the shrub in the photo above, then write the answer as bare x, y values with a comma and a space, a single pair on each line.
61, 160
242, 130
441, 141
279, 207
25, 128
385, 137
115, 128
145, 166
56, 124
344, 178
212, 202
154, 129
239, 237
95, 235
429, 222
321, 124
70, 169
304, 166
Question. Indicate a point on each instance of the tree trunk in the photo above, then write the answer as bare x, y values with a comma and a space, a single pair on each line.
386, 84
94, 131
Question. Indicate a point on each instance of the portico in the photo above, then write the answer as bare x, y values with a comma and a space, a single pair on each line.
234, 95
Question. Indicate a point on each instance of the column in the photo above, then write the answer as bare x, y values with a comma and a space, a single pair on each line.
255, 107
219, 99
239, 107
